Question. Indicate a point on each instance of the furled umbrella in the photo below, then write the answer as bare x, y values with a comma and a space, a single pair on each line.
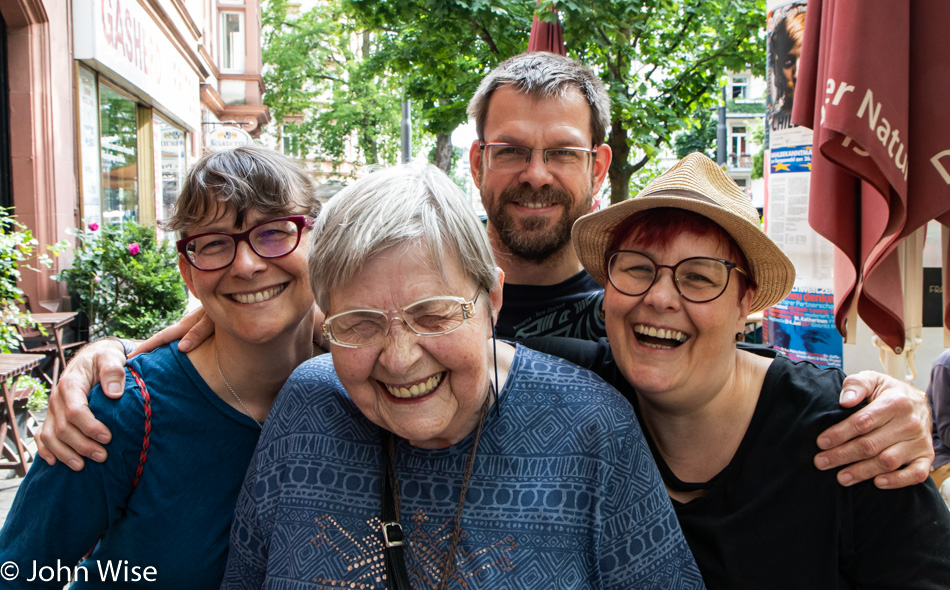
546, 35
873, 82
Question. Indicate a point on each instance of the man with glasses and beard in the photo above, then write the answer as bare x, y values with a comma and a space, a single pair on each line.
538, 161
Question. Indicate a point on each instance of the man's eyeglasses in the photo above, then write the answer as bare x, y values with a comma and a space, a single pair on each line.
698, 279
269, 239
505, 157
433, 316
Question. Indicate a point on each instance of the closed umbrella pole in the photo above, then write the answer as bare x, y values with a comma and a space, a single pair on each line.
546, 36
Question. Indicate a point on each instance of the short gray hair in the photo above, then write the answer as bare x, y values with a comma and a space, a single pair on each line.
392, 207
242, 179
544, 75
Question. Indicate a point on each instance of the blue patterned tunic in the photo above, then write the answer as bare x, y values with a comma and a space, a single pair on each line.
564, 493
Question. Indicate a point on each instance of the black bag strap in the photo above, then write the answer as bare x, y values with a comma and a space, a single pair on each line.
394, 540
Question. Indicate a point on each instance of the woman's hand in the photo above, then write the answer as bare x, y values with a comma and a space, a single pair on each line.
70, 431
888, 440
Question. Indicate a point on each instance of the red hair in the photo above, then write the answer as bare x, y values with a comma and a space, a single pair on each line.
658, 227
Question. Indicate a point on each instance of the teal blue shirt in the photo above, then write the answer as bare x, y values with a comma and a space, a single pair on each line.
177, 520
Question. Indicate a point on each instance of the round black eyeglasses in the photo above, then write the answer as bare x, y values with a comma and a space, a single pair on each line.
699, 279
273, 238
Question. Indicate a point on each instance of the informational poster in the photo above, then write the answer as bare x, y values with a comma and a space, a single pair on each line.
801, 326
90, 171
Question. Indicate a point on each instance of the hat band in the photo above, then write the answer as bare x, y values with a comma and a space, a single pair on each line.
681, 193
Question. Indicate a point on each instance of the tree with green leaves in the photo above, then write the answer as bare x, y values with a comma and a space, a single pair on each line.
699, 136
441, 51
321, 87
662, 61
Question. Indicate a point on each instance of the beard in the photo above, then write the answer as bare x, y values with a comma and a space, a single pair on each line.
530, 238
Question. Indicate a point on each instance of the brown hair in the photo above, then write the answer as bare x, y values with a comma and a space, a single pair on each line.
239, 180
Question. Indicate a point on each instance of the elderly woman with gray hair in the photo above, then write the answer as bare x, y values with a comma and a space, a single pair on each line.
422, 452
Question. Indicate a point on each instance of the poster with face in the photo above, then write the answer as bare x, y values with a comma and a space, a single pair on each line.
785, 29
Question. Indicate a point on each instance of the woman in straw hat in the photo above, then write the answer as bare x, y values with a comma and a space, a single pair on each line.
733, 433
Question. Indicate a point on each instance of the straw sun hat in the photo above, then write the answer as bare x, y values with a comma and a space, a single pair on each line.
695, 184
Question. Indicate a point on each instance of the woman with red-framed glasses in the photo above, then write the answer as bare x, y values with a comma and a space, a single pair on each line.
187, 423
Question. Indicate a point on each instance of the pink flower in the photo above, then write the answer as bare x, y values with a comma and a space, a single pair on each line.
97, 280
134, 248
93, 226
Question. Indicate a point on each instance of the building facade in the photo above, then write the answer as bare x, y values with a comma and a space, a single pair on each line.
107, 102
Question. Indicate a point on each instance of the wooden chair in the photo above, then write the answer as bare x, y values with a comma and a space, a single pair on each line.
35, 342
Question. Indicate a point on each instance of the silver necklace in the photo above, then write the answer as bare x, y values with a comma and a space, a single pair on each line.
234, 393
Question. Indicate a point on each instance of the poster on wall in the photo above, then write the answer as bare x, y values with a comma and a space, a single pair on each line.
90, 171
801, 326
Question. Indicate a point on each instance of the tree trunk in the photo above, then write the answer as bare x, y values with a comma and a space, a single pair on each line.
620, 169
442, 156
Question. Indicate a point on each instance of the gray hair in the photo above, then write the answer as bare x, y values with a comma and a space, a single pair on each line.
240, 180
544, 75
391, 207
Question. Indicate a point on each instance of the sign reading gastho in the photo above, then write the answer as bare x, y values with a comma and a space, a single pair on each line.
223, 138
120, 38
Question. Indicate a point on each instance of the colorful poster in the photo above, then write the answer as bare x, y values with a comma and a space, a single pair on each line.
802, 327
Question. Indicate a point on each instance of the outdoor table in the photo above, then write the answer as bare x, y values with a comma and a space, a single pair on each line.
55, 323
12, 366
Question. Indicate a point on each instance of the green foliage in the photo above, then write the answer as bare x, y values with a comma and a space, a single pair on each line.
442, 50
758, 158
39, 394
320, 87
699, 137
126, 281
734, 106
17, 246
662, 61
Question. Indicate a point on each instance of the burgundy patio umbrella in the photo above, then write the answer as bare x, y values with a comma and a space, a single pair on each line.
873, 84
546, 36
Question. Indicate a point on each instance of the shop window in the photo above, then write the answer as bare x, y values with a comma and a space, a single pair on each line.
169, 165
118, 142
232, 42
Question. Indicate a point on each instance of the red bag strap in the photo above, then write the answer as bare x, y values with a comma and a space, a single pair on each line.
143, 455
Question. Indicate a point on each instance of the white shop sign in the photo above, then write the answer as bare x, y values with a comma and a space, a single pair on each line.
120, 37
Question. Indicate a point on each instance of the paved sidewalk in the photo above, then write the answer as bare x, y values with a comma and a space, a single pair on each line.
10, 481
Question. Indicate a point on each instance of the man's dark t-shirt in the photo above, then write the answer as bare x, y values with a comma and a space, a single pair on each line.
570, 308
